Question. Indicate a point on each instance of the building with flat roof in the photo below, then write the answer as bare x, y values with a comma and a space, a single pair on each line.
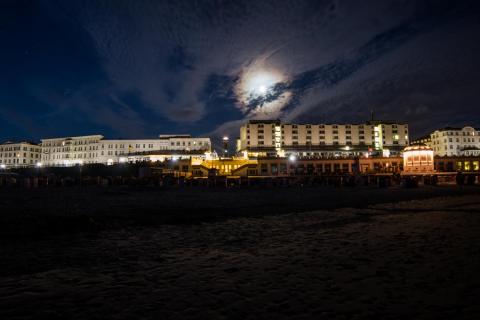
19, 154
274, 138
68, 151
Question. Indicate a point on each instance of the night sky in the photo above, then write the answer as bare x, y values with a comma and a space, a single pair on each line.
135, 69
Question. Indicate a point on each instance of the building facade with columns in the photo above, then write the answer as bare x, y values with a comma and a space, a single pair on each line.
274, 138
19, 154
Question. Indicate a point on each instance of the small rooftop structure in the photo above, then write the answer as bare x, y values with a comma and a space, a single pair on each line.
171, 136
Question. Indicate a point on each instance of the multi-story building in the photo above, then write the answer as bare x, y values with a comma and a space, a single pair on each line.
273, 138
423, 140
456, 141
70, 150
19, 154
185, 142
95, 149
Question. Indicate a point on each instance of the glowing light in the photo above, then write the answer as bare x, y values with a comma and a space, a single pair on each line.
292, 158
259, 82
262, 89
225, 138
256, 83
278, 140
2, 166
39, 164
122, 160
418, 159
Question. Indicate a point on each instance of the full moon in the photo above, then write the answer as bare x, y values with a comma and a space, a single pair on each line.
262, 89
252, 91
257, 83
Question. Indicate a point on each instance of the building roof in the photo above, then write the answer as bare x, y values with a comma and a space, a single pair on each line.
169, 136
374, 122
264, 121
456, 128
377, 122
416, 141
166, 152
99, 136
418, 147
20, 142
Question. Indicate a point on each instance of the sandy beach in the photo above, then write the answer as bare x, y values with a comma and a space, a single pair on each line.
285, 254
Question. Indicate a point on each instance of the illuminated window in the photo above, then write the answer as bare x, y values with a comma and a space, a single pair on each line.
459, 165
467, 165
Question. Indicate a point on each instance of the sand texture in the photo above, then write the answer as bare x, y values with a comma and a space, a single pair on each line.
414, 259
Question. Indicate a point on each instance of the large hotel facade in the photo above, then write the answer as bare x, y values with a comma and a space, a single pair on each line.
274, 138
95, 149
69, 151
20, 154
453, 141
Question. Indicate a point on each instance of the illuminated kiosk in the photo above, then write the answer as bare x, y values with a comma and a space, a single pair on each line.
418, 159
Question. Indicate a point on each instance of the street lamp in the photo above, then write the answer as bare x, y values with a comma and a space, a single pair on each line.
80, 164
2, 166
292, 158
225, 146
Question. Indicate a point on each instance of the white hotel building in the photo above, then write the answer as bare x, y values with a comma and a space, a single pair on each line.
19, 154
70, 151
455, 142
273, 138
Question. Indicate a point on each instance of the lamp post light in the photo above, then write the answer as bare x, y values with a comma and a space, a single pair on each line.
225, 146
292, 158
80, 164
38, 166
3, 167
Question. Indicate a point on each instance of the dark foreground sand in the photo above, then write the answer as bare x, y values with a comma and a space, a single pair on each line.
412, 259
